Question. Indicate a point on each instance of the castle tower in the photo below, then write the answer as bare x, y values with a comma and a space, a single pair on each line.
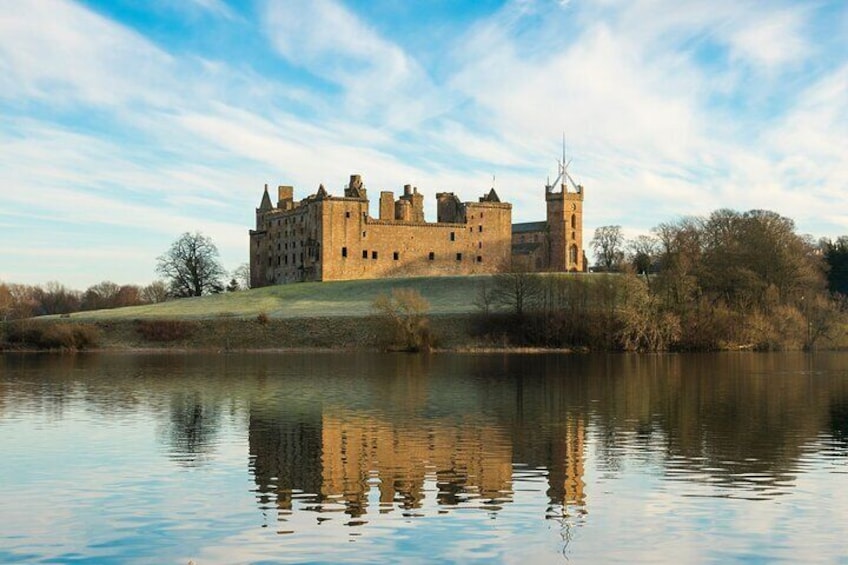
565, 225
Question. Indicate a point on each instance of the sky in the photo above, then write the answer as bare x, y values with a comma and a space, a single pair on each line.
124, 124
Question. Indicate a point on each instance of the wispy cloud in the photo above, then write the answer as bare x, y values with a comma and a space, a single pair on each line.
379, 80
114, 131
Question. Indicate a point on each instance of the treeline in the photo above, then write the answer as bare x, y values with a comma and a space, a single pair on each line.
18, 301
730, 280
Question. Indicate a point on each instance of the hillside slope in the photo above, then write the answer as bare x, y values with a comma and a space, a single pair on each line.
447, 295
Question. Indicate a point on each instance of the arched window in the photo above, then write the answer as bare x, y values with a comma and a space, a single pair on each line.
573, 221
572, 255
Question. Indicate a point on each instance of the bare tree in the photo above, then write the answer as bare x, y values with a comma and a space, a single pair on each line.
643, 253
154, 292
101, 295
191, 266
517, 291
242, 276
56, 298
7, 302
608, 245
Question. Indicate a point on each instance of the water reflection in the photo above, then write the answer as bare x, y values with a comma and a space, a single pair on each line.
356, 438
406, 422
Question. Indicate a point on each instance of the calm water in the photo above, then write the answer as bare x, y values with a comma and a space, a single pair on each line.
449, 458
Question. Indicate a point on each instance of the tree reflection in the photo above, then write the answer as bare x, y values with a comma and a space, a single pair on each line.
838, 421
192, 428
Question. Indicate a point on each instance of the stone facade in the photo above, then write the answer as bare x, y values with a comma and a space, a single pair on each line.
555, 245
325, 237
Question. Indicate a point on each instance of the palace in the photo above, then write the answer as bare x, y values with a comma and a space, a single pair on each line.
325, 237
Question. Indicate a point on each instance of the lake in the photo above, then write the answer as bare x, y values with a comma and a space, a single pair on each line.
362, 457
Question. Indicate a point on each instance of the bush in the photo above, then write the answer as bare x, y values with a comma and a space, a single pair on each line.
404, 314
164, 330
46, 335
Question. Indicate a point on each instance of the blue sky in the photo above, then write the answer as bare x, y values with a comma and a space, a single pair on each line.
125, 123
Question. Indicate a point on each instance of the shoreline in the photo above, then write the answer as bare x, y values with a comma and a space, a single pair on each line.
452, 333
322, 350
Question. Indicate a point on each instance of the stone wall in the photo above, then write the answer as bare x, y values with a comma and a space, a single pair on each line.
323, 237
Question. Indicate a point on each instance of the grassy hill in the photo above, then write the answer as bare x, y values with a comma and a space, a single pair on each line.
447, 295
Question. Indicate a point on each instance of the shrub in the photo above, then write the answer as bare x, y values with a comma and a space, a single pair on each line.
404, 314
164, 330
45, 335
263, 319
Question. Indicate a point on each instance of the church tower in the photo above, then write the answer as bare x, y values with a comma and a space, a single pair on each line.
565, 223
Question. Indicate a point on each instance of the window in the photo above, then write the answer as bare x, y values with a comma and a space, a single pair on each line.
373, 254
396, 256
364, 254
363, 234
572, 255
278, 260
347, 214
432, 256
480, 229
573, 221
479, 245
286, 259
459, 256
479, 258
453, 236
344, 251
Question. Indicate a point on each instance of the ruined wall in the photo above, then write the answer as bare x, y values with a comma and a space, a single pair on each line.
396, 248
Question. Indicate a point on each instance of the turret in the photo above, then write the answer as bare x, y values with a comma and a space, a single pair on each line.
285, 197
356, 189
416, 202
264, 206
449, 208
387, 205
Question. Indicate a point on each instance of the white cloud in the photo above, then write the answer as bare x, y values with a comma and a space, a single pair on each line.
629, 81
776, 39
379, 79
59, 53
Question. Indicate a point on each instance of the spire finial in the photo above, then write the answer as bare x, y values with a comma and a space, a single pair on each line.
563, 148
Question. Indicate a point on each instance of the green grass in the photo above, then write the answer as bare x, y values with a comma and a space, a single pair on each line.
447, 295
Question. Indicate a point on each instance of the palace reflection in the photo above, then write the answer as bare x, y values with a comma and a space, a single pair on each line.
420, 430
338, 456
